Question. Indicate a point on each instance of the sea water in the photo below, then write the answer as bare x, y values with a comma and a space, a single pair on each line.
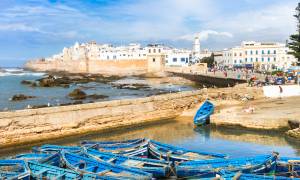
10, 85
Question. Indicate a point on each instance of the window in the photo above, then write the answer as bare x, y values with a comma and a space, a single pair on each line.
234, 61
234, 54
268, 51
246, 52
107, 57
268, 59
262, 52
256, 59
240, 54
262, 59
274, 51
251, 59
159, 50
149, 50
174, 59
182, 59
245, 59
153, 59
251, 52
275, 58
115, 57
256, 52
154, 50
240, 61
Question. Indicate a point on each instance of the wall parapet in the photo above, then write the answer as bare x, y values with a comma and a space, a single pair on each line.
28, 125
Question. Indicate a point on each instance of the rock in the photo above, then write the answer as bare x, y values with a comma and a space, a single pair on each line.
47, 82
30, 83
295, 133
39, 106
97, 96
77, 94
293, 124
21, 97
135, 86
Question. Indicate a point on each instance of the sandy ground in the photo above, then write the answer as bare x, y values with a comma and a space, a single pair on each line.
260, 113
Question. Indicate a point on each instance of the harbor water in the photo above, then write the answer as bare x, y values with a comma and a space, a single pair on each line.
235, 143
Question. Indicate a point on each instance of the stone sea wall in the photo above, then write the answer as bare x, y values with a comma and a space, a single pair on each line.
32, 125
121, 67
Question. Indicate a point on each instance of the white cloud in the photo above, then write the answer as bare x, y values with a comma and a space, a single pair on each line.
18, 27
204, 35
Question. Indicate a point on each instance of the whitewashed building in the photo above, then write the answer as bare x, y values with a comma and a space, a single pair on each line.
257, 55
133, 51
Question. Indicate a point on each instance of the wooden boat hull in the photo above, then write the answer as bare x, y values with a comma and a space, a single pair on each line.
245, 176
113, 143
14, 169
137, 147
158, 168
288, 166
203, 114
83, 164
52, 149
171, 153
209, 168
44, 171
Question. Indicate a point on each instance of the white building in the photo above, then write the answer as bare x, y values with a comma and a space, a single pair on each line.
133, 51
178, 57
258, 55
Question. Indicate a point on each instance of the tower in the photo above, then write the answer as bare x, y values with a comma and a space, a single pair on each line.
196, 45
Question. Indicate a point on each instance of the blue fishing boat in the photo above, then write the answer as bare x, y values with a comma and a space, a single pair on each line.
83, 164
114, 143
209, 168
158, 168
288, 166
45, 171
32, 156
50, 159
137, 147
245, 176
14, 169
52, 149
203, 114
171, 153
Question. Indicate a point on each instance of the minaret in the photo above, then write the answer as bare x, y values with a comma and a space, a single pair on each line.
196, 46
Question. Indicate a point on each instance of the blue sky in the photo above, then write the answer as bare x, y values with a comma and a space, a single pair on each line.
38, 28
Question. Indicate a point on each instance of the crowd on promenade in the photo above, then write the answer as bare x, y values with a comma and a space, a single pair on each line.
255, 78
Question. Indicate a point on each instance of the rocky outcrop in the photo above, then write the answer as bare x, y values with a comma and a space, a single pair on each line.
295, 133
62, 79
21, 97
135, 86
77, 94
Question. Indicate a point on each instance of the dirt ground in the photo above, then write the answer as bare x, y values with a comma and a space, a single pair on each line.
260, 113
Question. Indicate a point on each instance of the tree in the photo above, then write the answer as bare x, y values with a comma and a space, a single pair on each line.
294, 45
209, 60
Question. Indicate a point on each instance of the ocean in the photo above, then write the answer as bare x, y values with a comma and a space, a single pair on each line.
10, 85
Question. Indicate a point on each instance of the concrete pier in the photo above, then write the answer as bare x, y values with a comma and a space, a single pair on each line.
210, 81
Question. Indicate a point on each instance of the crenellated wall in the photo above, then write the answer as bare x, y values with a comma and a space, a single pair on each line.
30, 125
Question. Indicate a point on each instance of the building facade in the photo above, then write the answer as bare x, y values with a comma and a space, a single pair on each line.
257, 55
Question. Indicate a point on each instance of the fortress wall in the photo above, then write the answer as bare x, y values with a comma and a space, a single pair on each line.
31, 125
110, 67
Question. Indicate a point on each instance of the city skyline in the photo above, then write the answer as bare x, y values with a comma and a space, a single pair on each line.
34, 28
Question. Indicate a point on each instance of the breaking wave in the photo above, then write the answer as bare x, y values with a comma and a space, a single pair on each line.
18, 72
